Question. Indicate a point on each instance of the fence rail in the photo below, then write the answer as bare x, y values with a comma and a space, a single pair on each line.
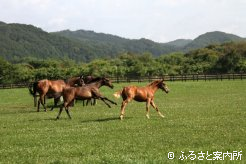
10, 86
192, 77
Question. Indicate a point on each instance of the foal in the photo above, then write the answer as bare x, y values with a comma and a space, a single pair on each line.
85, 92
141, 94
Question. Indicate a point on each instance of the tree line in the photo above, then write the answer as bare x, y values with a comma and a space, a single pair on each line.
213, 59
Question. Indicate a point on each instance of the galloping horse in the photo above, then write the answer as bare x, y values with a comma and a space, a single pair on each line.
141, 94
89, 80
85, 92
53, 88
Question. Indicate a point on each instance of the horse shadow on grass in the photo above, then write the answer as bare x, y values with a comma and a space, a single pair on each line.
18, 112
83, 121
105, 119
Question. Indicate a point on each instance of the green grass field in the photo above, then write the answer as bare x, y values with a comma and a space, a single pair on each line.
204, 117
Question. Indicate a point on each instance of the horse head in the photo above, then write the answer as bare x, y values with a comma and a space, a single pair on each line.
107, 82
163, 86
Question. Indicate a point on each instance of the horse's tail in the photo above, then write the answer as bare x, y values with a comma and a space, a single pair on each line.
118, 94
33, 88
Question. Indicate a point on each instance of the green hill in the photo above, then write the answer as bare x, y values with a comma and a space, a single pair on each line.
179, 42
111, 44
20, 41
26, 41
116, 45
209, 38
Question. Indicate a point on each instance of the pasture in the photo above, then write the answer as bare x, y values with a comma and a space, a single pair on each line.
204, 117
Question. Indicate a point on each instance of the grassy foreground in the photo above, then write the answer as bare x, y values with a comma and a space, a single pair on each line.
204, 117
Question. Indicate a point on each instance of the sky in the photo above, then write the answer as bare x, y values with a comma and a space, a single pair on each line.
157, 20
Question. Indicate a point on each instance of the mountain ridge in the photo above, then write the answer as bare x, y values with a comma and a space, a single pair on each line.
23, 41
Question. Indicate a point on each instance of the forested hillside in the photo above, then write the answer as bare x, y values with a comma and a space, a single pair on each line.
213, 59
209, 38
20, 42
110, 44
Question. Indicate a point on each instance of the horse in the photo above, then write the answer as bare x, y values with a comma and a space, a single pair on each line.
88, 80
85, 92
141, 94
53, 89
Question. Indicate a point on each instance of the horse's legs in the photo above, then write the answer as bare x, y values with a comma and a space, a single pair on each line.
105, 98
38, 105
56, 100
67, 110
72, 102
156, 108
61, 108
41, 99
99, 96
87, 101
123, 107
147, 108
94, 102
109, 100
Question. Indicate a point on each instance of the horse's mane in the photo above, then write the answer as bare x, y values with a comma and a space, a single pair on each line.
70, 78
154, 83
95, 79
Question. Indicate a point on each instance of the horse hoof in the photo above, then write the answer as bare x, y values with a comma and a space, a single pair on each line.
121, 117
147, 116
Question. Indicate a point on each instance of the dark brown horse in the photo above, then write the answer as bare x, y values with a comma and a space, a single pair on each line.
85, 92
53, 89
141, 94
88, 80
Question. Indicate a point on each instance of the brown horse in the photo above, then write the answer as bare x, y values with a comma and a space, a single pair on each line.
89, 80
141, 94
84, 93
53, 89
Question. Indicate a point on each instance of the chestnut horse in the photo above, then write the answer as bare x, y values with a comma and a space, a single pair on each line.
141, 94
85, 92
53, 89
